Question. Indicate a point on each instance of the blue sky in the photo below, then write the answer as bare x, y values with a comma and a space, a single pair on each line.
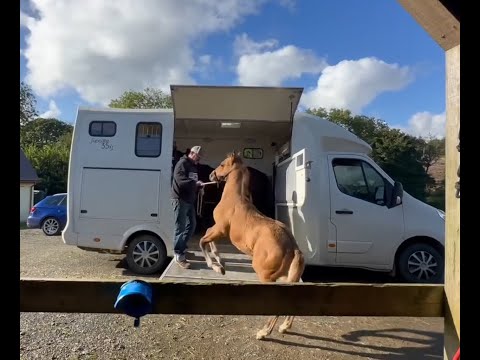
374, 60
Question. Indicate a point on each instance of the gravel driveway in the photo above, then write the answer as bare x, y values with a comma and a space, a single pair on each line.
108, 336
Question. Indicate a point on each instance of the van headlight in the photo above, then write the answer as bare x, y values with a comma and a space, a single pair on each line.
441, 213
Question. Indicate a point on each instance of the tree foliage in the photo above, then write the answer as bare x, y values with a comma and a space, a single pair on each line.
432, 151
28, 103
51, 163
46, 143
40, 132
147, 99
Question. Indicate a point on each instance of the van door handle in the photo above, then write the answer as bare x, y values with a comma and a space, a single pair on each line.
153, 215
344, 212
83, 211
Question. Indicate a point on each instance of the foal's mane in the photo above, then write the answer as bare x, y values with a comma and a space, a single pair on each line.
245, 181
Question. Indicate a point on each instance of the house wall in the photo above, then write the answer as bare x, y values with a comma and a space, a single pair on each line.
26, 199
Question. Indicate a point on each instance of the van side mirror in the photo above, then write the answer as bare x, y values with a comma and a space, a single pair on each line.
397, 194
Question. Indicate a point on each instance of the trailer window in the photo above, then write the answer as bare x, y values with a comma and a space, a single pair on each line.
102, 128
148, 139
253, 153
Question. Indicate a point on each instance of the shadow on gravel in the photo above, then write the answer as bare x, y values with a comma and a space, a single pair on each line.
122, 264
354, 342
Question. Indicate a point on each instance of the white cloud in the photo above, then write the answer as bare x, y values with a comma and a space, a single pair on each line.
102, 48
353, 84
243, 45
52, 112
425, 124
272, 67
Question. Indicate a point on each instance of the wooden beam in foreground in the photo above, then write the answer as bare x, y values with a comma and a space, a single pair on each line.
436, 20
306, 299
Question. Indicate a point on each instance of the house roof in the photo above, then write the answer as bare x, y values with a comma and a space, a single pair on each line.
27, 172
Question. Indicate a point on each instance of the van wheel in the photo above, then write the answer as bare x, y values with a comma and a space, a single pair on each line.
421, 263
146, 254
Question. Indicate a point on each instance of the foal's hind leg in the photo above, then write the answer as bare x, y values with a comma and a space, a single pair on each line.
294, 275
211, 235
267, 329
287, 324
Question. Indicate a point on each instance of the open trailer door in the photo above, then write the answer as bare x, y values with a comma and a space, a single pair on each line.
235, 103
247, 111
291, 185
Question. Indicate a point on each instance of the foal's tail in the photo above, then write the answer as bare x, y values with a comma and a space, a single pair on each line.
297, 266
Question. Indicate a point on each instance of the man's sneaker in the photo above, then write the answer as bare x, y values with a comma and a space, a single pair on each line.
182, 262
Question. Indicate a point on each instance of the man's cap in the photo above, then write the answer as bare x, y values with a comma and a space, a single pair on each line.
197, 150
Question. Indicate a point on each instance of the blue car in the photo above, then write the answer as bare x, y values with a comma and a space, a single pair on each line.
49, 214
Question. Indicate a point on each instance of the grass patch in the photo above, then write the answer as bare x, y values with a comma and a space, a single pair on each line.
23, 226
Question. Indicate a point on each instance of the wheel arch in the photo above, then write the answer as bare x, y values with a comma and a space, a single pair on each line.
419, 240
135, 234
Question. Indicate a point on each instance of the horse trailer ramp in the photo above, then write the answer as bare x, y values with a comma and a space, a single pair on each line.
238, 268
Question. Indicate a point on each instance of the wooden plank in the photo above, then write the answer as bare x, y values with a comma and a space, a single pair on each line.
452, 239
437, 21
306, 299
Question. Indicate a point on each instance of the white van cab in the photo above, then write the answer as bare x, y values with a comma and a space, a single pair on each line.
343, 209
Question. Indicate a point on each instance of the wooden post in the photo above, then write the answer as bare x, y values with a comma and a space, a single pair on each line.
452, 239
441, 19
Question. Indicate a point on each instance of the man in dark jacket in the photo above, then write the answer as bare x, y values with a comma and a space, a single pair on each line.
185, 184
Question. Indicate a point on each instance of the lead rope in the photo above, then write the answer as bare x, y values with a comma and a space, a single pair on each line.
201, 192
457, 184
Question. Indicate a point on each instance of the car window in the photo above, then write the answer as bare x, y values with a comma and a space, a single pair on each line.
359, 179
52, 200
63, 202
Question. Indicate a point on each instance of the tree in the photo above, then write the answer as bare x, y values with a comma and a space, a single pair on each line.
46, 143
27, 104
432, 150
398, 154
147, 99
41, 132
366, 128
51, 163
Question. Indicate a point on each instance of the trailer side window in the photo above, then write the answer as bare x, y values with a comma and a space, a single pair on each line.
148, 139
102, 128
359, 179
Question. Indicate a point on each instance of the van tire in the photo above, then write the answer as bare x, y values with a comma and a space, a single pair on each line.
421, 251
140, 265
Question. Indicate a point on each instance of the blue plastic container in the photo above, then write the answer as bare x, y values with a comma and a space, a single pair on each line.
135, 299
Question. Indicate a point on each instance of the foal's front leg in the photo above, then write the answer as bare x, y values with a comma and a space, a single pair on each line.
215, 253
211, 235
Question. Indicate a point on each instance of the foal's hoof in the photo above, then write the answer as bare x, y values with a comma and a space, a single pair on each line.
283, 329
262, 334
218, 269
